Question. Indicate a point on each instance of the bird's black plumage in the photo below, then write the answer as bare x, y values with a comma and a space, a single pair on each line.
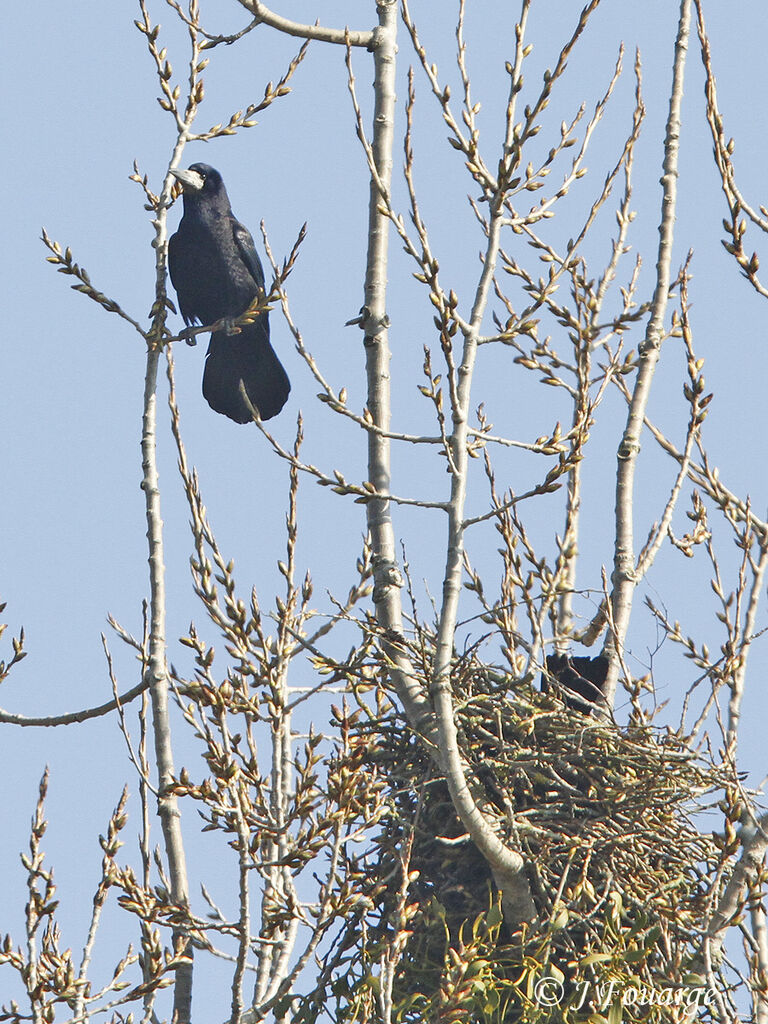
217, 274
580, 681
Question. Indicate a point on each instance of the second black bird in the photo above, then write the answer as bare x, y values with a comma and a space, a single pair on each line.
217, 274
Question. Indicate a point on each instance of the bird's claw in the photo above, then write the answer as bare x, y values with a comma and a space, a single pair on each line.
230, 325
189, 336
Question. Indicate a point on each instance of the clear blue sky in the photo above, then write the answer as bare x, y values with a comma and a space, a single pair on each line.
79, 106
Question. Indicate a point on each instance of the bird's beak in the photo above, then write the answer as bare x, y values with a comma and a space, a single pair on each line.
190, 181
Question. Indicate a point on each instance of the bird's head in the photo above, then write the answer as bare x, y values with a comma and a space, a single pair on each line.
200, 181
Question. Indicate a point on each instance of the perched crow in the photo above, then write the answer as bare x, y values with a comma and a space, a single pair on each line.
217, 274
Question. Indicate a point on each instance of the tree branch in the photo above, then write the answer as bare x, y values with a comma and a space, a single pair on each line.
387, 576
624, 576
342, 37
8, 718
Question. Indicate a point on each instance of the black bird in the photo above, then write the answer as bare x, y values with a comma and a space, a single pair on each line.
580, 681
217, 274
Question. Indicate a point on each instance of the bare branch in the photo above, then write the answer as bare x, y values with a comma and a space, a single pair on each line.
71, 717
623, 579
262, 14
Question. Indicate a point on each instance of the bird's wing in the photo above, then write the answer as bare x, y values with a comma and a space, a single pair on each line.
247, 249
173, 251
178, 279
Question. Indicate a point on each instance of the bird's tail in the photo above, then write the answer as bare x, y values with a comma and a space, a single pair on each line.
250, 358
